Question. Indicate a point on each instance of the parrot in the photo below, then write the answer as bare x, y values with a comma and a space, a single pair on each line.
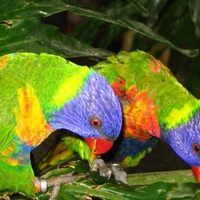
42, 93
155, 106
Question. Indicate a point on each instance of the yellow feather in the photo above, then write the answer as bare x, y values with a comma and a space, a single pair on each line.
178, 116
3, 61
72, 85
31, 127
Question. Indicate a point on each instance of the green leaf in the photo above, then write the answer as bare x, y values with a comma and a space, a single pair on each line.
139, 7
73, 166
181, 176
173, 185
21, 29
130, 24
194, 6
157, 189
155, 6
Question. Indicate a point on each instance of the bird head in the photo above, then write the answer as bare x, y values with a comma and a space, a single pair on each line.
185, 141
94, 113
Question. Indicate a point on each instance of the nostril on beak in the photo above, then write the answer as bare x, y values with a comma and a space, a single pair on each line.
111, 139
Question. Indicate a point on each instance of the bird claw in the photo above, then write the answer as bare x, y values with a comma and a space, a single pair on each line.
6, 196
56, 182
105, 171
118, 173
100, 166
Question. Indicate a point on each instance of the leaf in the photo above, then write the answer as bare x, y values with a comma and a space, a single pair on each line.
158, 185
195, 12
139, 7
173, 185
21, 29
181, 176
130, 24
157, 189
155, 6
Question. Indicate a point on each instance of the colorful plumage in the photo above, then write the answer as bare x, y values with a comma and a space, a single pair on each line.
43, 93
155, 106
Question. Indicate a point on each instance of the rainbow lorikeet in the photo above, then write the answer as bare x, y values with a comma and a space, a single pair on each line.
43, 93
155, 106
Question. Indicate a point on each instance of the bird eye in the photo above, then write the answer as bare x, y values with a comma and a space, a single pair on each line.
196, 148
95, 122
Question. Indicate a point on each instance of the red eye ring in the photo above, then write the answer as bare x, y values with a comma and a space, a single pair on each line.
196, 148
95, 122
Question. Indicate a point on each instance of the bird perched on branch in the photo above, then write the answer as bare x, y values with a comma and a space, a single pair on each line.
155, 106
43, 93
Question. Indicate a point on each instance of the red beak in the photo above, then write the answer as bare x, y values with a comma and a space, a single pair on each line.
99, 145
196, 172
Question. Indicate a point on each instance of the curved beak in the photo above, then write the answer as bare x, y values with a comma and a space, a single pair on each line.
196, 172
99, 145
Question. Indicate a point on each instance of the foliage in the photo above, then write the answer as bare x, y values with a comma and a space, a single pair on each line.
167, 29
21, 21
74, 28
97, 187
141, 186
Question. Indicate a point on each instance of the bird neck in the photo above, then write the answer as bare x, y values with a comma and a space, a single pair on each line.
180, 116
183, 128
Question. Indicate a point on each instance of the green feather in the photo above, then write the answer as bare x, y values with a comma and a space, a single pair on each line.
17, 178
148, 74
38, 71
29, 70
79, 146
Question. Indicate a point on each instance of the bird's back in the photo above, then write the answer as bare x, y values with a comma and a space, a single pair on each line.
27, 75
145, 79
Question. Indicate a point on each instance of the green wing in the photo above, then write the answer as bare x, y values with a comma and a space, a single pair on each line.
26, 77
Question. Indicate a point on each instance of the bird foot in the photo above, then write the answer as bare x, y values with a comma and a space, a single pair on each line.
57, 182
105, 171
6, 196
100, 166
118, 173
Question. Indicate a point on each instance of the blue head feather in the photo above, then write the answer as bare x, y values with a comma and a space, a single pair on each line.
96, 99
183, 138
